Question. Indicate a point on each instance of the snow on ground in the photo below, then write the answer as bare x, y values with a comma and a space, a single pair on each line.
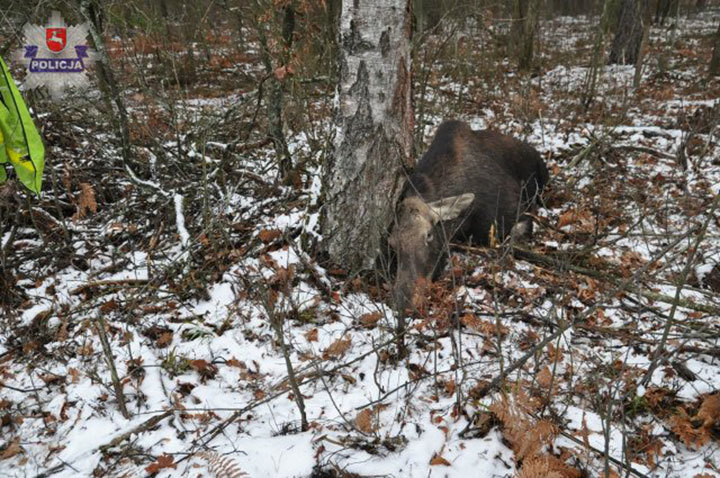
215, 361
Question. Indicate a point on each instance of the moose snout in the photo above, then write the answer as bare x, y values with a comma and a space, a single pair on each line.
404, 288
402, 295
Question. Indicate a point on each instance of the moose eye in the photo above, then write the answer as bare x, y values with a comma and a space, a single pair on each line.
429, 238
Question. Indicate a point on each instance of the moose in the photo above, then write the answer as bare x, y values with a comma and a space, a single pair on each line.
476, 186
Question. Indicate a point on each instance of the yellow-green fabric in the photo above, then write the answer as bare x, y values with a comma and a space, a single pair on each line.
20, 143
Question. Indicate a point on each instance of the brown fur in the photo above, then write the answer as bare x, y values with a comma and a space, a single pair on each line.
505, 177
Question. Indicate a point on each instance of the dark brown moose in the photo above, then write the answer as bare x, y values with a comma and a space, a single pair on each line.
469, 185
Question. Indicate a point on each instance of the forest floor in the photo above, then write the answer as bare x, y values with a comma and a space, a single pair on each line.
597, 347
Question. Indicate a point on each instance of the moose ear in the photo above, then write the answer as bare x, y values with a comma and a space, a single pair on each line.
449, 208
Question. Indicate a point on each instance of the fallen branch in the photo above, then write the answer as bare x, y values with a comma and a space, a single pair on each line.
644, 149
635, 338
142, 427
559, 263
648, 294
108, 283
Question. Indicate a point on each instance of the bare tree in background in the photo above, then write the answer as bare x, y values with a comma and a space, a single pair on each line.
363, 177
525, 19
664, 7
590, 85
629, 32
275, 75
715, 60
92, 11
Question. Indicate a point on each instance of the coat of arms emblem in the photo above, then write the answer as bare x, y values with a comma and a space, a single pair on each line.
56, 39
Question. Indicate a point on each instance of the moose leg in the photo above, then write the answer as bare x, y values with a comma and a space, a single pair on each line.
522, 230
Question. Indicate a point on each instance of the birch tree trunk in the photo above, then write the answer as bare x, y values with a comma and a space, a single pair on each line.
374, 123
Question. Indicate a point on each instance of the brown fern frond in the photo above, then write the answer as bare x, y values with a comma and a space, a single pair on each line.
529, 438
222, 466
85, 202
547, 466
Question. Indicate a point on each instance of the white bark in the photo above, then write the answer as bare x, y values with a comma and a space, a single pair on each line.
373, 139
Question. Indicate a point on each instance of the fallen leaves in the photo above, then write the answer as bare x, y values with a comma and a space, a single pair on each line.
485, 327
163, 462
438, 460
11, 450
696, 431
370, 320
364, 422
206, 369
709, 411
682, 426
269, 235
337, 349
162, 336
577, 220
312, 335
545, 377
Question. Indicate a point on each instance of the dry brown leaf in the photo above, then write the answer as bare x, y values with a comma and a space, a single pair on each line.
485, 327
12, 449
566, 218
204, 368
653, 449
709, 411
283, 275
349, 378
337, 349
109, 306
544, 378
439, 460
311, 335
450, 388
363, 421
164, 340
554, 353
582, 221
584, 432
163, 462
370, 320
233, 362
525, 435
269, 235
587, 290
199, 364
692, 437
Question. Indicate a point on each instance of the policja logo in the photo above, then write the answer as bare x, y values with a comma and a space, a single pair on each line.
56, 55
